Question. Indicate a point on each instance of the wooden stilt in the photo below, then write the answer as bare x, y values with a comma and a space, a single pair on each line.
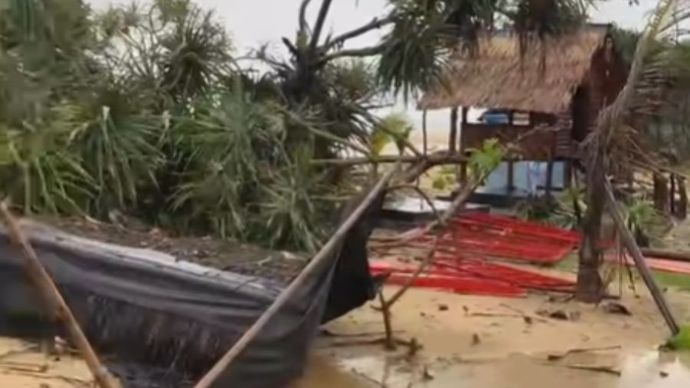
425, 140
634, 251
511, 178
682, 212
660, 193
549, 177
323, 254
453, 136
672, 194
57, 306
463, 172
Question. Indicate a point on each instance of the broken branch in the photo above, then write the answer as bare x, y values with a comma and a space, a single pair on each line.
376, 23
634, 251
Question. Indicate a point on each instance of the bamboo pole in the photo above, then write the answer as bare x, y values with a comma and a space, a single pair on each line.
323, 254
56, 303
634, 250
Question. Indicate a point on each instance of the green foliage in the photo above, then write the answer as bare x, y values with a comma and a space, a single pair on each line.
680, 341
240, 182
44, 175
639, 214
142, 108
223, 139
117, 141
417, 50
291, 212
485, 159
444, 177
393, 128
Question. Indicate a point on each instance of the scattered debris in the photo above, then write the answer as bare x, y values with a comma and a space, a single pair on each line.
560, 315
443, 307
663, 374
426, 374
556, 357
616, 308
595, 368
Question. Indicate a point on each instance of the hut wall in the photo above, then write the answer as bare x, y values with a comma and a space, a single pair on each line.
536, 145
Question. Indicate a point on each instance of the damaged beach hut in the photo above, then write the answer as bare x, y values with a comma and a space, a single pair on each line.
545, 101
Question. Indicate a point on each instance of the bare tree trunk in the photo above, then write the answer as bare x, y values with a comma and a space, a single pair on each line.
590, 286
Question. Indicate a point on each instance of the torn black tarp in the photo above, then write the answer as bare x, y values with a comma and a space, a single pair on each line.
173, 319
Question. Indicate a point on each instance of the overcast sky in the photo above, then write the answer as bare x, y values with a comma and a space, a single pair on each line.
255, 22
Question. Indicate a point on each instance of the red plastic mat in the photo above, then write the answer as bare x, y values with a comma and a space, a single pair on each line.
470, 240
490, 236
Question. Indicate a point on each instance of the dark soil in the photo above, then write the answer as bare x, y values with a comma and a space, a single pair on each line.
221, 254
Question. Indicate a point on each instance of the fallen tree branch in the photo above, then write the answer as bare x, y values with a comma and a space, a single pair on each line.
323, 254
634, 251
594, 368
664, 254
555, 357
56, 304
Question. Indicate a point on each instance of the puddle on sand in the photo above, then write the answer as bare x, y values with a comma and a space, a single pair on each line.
645, 370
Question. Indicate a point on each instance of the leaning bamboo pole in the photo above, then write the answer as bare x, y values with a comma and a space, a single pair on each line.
634, 250
40, 278
323, 254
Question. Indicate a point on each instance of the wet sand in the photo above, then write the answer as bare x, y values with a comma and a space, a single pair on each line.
22, 365
468, 341
509, 352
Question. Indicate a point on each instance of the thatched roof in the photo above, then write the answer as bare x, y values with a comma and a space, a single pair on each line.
496, 77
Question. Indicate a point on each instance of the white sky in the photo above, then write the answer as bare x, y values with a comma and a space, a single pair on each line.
255, 22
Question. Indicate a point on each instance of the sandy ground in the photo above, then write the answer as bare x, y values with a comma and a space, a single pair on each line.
485, 342
22, 365
468, 341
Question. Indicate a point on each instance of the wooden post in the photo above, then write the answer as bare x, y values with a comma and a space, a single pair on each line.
57, 306
660, 193
683, 203
453, 137
634, 251
463, 126
308, 271
425, 144
672, 194
463, 172
549, 176
511, 177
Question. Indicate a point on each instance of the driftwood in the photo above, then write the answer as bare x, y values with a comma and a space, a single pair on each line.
287, 293
634, 250
57, 306
559, 356
668, 255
